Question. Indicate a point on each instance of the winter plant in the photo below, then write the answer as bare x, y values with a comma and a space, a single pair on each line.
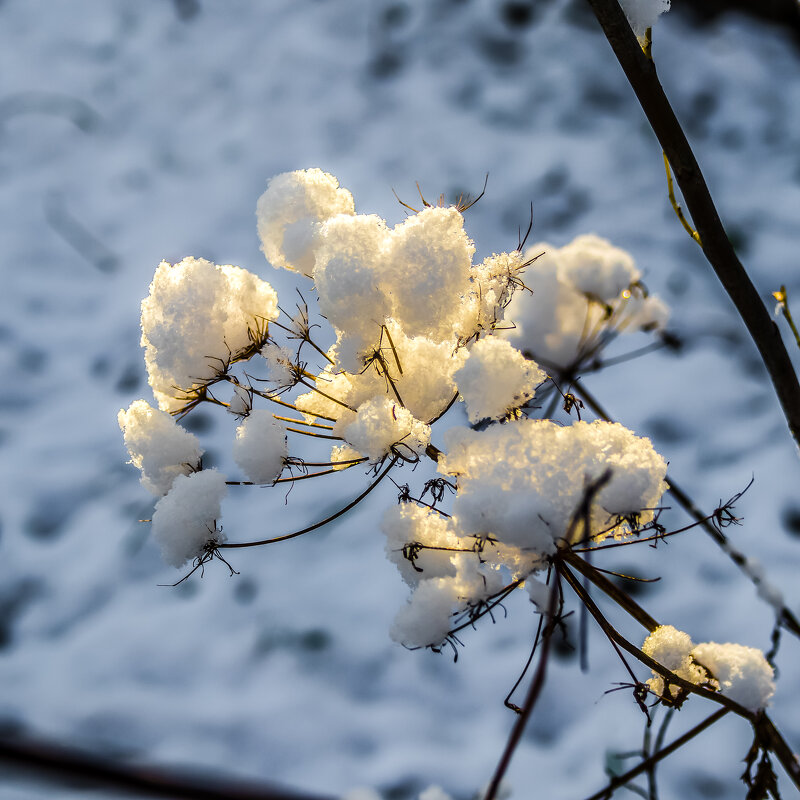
397, 339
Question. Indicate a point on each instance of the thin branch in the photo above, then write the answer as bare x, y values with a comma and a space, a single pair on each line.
648, 763
533, 693
676, 208
316, 525
783, 306
641, 74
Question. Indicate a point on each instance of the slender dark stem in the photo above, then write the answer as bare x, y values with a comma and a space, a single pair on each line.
649, 763
786, 617
321, 523
533, 693
621, 598
641, 74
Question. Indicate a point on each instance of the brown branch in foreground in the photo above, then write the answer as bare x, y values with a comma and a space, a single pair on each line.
641, 74
53, 761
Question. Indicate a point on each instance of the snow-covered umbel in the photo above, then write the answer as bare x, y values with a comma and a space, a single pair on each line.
741, 673
582, 295
290, 213
518, 487
195, 318
642, 14
185, 520
495, 379
523, 482
158, 446
260, 448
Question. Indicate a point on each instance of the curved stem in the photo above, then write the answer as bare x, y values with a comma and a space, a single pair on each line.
316, 525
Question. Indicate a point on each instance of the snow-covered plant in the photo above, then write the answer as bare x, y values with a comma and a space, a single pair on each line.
401, 340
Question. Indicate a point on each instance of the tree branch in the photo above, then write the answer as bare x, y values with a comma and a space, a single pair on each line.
641, 74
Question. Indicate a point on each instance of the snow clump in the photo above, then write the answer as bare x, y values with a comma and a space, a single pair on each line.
260, 449
496, 379
523, 482
518, 487
290, 213
642, 14
379, 426
158, 446
672, 649
582, 296
185, 520
196, 317
741, 673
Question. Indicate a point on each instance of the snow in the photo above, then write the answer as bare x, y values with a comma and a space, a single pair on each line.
523, 482
185, 519
495, 379
196, 317
291, 212
742, 672
158, 446
380, 426
175, 128
642, 14
260, 448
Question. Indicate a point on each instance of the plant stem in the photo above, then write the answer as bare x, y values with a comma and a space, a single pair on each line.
641, 74
648, 763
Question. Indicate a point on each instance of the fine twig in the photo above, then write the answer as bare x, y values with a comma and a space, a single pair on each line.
648, 763
641, 74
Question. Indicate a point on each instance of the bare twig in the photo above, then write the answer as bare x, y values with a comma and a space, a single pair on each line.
648, 763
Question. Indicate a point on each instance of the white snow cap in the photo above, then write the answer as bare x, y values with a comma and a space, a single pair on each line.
642, 14
184, 520
290, 213
673, 649
380, 424
743, 673
260, 449
495, 379
158, 446
523, 481
196, 315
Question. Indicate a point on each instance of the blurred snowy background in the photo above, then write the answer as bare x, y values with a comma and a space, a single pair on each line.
132, 132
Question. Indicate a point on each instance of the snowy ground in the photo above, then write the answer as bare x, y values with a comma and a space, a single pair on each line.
130, 133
